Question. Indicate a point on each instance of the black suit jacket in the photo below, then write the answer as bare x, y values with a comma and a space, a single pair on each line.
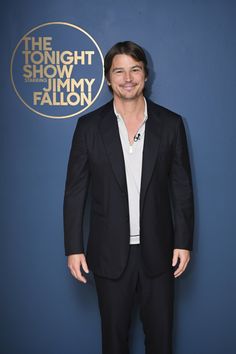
166, 198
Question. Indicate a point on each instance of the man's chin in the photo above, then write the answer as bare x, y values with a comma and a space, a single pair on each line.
130, 97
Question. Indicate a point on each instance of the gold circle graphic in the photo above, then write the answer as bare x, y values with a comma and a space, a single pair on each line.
12, 60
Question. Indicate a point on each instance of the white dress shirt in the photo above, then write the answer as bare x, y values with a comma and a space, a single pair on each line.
133, 154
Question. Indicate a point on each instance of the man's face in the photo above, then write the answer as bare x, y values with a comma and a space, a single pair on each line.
127, 77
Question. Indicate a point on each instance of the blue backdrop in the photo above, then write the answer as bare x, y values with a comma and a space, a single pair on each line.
193, 47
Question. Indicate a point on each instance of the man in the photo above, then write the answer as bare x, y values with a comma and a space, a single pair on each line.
134, 154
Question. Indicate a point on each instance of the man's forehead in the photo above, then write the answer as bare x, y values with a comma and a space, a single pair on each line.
125, 60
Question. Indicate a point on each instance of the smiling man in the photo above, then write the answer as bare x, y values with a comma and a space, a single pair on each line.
134, 153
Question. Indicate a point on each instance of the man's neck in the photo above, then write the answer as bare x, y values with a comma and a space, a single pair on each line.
130, 109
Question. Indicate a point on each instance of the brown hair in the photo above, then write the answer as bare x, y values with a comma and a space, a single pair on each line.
128, 48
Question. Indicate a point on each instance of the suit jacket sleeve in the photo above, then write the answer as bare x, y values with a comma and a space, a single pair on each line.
182, 191
76, 188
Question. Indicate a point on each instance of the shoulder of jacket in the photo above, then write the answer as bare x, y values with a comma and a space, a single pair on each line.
163, 112
93, 117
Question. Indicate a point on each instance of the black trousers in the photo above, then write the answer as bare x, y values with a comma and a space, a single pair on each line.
155, 300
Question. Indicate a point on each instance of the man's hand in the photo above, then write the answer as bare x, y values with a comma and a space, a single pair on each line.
184, 257
75, 261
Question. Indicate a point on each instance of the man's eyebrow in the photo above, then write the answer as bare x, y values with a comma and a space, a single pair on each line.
137, 66
114, 69
132, 67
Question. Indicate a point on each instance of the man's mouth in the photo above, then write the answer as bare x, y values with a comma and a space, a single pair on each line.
128, 87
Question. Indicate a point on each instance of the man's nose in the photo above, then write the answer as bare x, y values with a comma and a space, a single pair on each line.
128, 76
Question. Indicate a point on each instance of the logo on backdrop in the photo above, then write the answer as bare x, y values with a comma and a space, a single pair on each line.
57, 70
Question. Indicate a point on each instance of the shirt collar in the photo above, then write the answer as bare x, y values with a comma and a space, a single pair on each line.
145, 111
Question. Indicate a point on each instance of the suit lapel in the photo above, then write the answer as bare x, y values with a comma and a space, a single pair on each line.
110, 134
150, 149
